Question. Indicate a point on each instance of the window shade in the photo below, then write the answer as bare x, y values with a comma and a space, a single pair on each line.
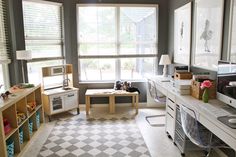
43, 28
4, 41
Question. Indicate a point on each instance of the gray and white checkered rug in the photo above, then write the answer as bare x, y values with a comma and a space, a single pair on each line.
95, 137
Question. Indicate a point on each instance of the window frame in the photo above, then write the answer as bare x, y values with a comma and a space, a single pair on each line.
62, 39
6, 44
117, 56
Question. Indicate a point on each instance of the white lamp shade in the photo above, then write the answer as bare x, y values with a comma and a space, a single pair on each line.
165, 60
23, 55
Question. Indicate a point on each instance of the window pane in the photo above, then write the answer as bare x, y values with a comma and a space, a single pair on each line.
44, 48
97, 69
42, 20
4, 77
35, 69
43, 29
4, 39
137, 49
137, 68
96, 25
138, 24
97, 49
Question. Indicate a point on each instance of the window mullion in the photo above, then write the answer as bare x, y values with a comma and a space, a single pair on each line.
118, 65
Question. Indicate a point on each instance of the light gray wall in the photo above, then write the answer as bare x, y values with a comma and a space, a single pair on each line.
174, 4
18, 41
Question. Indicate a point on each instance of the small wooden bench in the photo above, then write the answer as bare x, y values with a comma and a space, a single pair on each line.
111, 93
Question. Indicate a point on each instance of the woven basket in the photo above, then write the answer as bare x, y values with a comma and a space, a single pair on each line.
38, 119
30, 127
10, 148
21, 135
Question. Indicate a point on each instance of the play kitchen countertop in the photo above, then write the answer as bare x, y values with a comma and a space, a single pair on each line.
59, 90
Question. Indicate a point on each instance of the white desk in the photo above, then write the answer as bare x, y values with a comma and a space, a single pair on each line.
206, 112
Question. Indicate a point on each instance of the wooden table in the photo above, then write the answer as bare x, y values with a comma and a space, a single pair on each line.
111, 93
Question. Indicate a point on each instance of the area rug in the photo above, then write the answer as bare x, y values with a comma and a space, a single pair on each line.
95, 137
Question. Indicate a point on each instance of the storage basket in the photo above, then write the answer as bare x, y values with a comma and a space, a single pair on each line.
38, 119
183, 75
30, 127
21, 135
197, 92
10, 148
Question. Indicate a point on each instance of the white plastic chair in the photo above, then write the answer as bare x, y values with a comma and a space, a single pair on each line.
157, 97
197, 133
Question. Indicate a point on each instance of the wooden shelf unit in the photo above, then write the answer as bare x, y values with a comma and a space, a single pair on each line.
8, 109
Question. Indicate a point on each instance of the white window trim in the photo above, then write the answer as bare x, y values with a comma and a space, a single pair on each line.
118, 43
6, 78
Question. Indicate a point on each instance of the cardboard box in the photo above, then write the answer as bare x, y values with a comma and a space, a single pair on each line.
183, 75
197, 92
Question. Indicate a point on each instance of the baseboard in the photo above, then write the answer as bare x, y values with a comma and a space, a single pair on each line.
141, 105
118, 104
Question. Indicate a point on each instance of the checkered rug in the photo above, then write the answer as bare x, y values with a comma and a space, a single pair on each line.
95, 137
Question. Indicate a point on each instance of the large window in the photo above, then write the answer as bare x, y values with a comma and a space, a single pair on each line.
116, 42
4, 47
43, 36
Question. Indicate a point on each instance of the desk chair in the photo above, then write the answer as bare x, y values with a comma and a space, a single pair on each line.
157, 97
197, 133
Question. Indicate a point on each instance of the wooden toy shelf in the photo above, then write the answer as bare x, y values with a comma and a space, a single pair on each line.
21, 131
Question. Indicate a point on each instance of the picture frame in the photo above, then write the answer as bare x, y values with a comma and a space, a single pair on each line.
182, 34
232, 48
208, 27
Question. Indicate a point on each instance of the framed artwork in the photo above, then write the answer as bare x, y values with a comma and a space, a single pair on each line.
233, 34
182, 34
208, 26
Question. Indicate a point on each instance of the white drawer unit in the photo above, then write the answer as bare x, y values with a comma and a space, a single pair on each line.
170, 115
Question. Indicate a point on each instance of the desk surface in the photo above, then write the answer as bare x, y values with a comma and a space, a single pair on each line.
207, 113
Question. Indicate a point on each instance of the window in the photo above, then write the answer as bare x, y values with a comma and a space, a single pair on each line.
4, 47
116, 42
43, 36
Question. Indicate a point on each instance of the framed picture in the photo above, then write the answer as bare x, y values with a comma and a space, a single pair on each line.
207, 33
233, 34
182, 34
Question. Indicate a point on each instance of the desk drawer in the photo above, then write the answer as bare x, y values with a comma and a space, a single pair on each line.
171, 96
170, 111
178, 116
171, 104
170, 125
179, 129
179, 142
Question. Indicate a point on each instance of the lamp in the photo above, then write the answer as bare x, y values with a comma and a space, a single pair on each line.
23, 55
165, 60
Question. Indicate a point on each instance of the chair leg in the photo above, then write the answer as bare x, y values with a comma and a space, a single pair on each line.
153, 116
208, 152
